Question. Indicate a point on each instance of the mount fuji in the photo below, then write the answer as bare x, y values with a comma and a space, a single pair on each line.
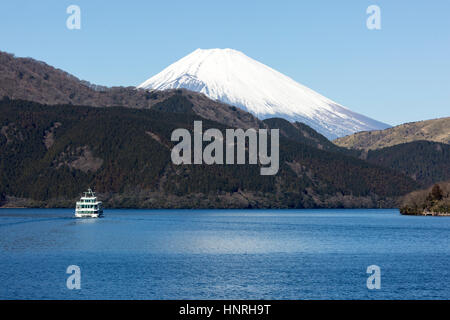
232, 77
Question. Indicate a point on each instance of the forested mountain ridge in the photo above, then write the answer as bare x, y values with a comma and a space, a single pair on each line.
41, 147
49, 154
300, 132
32, 80
424, 161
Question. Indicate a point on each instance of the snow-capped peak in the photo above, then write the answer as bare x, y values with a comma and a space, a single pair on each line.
232, 77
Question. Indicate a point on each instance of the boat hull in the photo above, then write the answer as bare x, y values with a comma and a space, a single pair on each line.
89, 215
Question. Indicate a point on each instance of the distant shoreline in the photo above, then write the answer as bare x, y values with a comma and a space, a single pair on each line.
417, 214
427, 214
188, 208
238, 200
434, 201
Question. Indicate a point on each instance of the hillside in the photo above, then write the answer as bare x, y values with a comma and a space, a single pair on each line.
32, 80
437, 130
49, 154
425, 162
302, 133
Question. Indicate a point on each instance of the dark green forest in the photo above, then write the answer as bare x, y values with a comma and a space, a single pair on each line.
425, 161
50, 154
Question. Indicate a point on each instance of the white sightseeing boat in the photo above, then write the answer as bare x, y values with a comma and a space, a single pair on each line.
89, 206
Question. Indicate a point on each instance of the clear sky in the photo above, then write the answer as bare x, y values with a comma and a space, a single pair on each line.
398, 74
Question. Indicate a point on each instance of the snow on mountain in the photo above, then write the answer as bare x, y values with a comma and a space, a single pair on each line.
234, 78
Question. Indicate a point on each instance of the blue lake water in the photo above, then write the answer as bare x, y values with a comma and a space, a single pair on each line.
223, 254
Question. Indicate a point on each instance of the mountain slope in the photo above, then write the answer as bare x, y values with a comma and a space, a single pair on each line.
302, 133
48, 154
424, 161
437, 130
232, 77
32, 80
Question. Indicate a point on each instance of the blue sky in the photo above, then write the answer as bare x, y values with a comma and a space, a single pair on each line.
398, 74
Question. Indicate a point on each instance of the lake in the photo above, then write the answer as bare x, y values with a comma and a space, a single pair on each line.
223, 254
